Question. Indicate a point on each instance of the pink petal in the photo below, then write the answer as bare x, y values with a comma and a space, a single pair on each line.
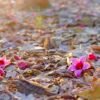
86, 66
74, 60
71, 68
78, 73
83, 58
2, 72
2, 66
6, 62
17, 57
4, 58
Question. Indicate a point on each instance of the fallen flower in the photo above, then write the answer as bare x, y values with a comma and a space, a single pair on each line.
4, 62
78, 66
92, 56
23, 64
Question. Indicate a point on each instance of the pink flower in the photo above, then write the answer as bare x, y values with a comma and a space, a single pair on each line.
2, 73
92, 56
4, 62
22, 64
78, 66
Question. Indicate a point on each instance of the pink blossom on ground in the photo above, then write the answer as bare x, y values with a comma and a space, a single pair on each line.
92, 56
78, 66
4, 62
22, 64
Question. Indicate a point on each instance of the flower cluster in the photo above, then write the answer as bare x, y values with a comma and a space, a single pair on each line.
22, 64
79, 65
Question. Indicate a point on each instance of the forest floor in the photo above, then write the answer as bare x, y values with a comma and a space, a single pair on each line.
39, 45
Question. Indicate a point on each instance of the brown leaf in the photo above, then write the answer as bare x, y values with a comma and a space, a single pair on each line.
28, 4
93, 93
96, 48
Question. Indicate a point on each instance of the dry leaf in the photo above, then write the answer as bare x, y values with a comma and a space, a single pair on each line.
92, 94
29, 4
96, 48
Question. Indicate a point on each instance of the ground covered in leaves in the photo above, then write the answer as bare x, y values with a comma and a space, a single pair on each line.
39, 45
